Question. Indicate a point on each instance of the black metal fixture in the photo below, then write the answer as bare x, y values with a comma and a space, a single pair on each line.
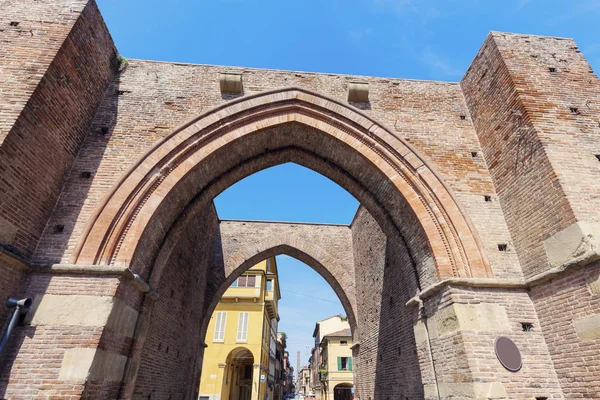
21, 307
508, 353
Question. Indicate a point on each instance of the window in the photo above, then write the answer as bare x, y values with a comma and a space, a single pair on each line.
344, 342
245, 281
344, 363
269, 285
220, 327
242, 331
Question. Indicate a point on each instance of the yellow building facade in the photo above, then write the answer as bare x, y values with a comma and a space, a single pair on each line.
241, 339
327, 351
337, 381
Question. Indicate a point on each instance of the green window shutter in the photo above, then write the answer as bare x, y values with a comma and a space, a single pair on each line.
339, 363
349, 363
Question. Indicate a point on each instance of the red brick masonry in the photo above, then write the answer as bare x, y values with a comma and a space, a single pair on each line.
478, 219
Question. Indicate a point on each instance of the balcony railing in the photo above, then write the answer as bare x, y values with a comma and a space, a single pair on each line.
242, 292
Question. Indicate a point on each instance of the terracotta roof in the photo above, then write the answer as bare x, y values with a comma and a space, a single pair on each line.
343, 332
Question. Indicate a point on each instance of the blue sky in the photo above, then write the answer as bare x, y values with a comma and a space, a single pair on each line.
290, 192
305, 299
389, 38
392, 38
287, 192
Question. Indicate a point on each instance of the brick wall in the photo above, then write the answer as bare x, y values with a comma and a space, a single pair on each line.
532, 100
468, 354
32, 34
35, 351
156, 97
369, 263
12, 276
520, 128
325, 248
41, 131
563, 306
385, 281
569, 137
171, 359
540, 153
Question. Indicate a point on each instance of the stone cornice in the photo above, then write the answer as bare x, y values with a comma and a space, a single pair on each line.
523, 284
104, 270
466, 282
84, 269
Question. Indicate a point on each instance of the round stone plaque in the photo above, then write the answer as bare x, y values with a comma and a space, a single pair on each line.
508, 353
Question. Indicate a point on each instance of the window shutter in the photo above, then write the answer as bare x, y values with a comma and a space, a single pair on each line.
349, 363
339, 363
251, 280
246, 326
220, 326
223, 321
217, 325
242, 331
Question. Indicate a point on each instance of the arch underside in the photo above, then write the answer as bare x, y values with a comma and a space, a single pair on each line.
240, 353
199, 160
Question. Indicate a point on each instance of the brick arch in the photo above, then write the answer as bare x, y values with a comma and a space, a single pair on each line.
348, 300
144, 203
327, 249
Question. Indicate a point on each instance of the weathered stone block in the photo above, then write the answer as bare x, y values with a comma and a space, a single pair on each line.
358, 92
83, 310
588, 327
468, 390
594, 284
231, 83
91, 364
578, 244
7, 232
468, 317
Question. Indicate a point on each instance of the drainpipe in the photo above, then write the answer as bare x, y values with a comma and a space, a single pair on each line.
435, 379
21, 307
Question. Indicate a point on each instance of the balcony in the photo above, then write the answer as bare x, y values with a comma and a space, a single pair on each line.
271, 304
271, 296
242, 293
322, 375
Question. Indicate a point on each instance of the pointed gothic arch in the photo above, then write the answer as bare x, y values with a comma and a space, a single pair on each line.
143, 205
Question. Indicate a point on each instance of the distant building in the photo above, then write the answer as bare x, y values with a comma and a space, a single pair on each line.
298, 368
279, 384
335, 372
304, 380
313, 363
240, 361
322, 356
288, 374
